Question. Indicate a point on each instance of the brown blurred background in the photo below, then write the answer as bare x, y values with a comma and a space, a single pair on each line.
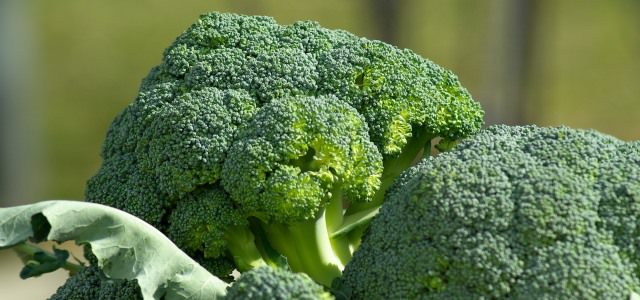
68, 67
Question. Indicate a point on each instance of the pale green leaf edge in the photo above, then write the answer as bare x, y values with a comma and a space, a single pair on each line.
126, 247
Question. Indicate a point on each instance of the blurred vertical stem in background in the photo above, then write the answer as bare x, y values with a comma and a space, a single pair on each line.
19, 180
385, 14
510, 54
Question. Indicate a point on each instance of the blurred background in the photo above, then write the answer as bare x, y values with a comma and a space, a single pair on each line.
68, 67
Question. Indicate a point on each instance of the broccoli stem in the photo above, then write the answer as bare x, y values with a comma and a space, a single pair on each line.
355, 220
312, 252
269, 254
334, 218
393, 167
315, 251
279, 238
241, 244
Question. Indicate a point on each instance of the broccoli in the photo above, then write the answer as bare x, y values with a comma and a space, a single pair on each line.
275, 284
513, 212
263, 282
264, 144
269, 149
91, 284
298, 159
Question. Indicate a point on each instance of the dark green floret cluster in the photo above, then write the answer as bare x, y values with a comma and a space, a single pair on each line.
511, 213
254, 143
91, 284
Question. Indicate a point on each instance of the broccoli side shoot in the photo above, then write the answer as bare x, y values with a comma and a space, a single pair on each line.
511, 213
275, 284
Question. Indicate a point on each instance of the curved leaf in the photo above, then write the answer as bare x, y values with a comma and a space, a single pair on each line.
126, 247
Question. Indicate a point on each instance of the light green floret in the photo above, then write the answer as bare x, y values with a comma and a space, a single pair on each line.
294, 167
298, 153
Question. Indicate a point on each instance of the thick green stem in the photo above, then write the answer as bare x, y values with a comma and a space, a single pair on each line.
308, 248
279, 238
334, 218
242, 246
315, 251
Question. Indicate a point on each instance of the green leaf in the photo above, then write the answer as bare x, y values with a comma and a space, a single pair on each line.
42, 262
38, 261
126, 247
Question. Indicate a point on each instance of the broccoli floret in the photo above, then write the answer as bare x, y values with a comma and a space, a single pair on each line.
275, 284
187, 137
251, 133
120, 183
91, 284
295, 164
199, 221
513, 212
177, 139
207, 221
297, 153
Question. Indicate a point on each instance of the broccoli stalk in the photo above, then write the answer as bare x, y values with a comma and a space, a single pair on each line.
241, 244
334, 218
393, 166
312, 248
314, 251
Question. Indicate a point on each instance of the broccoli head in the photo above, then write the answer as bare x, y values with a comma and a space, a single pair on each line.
513, 212
249, 133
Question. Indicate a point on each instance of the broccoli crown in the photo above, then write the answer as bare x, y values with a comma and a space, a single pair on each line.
285, 118
275, 284
394, 89
514, 212
286, 161
91, 284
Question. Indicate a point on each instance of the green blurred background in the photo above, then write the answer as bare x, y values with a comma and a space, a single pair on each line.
68, 67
